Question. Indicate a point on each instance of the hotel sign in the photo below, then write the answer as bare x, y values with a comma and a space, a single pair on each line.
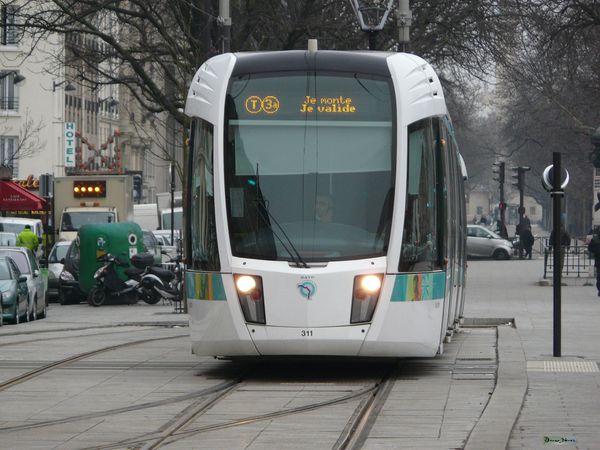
70, 144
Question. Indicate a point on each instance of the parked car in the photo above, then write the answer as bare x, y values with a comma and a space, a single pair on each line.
152, 245
13, 292
68, 280
484, 243
28, 266
164, 240
55, 267
8, 239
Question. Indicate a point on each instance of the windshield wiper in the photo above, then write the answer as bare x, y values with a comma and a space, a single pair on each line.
261, 206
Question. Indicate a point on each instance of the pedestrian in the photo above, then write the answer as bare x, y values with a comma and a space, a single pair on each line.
594, 249
565, 243
28, 238
527, 240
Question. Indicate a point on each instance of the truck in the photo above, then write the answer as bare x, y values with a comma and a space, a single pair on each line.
146, 216
163, 199
91, 199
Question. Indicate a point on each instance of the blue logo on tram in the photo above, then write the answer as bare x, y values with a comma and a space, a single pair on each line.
307, 289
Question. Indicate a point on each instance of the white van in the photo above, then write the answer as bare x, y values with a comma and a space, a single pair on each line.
16, 225
146, 216
165, 218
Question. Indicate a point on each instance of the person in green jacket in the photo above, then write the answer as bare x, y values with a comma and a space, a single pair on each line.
28, 238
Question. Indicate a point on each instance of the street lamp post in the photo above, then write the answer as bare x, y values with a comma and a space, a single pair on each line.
68, 87
371, 18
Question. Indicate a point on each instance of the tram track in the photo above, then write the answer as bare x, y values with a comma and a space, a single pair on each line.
63, 362
110, 412
373, 395
357, 430
175, 431
57, 338
178, 324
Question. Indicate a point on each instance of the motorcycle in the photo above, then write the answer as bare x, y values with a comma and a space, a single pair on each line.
108, 284
154, 282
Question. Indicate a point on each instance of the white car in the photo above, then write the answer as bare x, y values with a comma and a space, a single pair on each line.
484, 243
37, 302
55, 266
16, 225
164, 240
8, 239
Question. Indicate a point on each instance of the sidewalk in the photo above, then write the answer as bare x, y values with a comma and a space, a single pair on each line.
561, 404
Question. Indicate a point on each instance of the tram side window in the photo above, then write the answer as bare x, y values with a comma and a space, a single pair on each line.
205, 253
419, 242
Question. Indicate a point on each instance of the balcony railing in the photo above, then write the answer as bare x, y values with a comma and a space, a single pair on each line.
9, 103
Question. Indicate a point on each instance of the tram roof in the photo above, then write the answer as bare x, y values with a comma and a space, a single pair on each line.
323, 60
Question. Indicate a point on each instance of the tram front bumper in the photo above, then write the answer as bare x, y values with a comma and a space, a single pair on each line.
339, 341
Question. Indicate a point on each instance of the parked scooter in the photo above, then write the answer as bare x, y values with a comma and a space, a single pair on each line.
172, 289
109, 285
154, 282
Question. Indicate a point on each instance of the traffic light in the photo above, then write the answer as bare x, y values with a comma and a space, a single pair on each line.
517, 177
595, 154
499, 171
137, 186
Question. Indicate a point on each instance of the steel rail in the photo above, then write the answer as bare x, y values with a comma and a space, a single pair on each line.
48, 367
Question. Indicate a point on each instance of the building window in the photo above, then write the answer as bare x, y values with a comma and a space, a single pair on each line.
8, 153
532, 210
9, 100
8, 32
480, 210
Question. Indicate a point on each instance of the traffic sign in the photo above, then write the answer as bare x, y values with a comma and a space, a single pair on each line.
548, 178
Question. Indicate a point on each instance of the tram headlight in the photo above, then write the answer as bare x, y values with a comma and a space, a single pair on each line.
245, 284
364, 298
250, 295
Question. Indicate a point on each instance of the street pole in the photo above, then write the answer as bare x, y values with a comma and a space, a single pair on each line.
520, 175
404, 18
521, 196
225, 22
502, 205
172, 171
557, 193
372, 40
502, 211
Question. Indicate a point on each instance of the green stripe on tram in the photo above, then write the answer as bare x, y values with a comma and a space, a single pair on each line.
415, 287
204, 286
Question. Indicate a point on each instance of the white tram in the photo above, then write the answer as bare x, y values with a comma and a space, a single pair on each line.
325, 206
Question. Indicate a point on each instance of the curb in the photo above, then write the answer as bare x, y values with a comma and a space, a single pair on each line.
494, 427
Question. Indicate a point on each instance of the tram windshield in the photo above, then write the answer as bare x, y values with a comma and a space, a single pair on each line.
309, 162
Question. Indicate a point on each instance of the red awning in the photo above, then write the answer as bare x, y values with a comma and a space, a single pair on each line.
14, 198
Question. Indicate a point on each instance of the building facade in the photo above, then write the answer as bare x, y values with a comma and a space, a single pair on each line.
42, 100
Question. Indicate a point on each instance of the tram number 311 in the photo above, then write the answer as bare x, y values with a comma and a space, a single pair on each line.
306, 333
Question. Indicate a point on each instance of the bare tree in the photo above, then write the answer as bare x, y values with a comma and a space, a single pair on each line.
551, 84
27, 143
